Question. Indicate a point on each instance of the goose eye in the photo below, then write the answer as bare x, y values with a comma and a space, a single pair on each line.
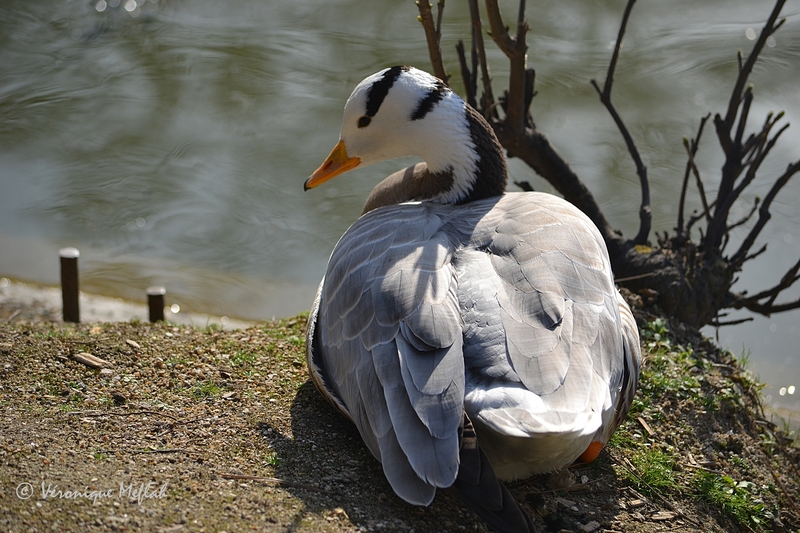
364, 121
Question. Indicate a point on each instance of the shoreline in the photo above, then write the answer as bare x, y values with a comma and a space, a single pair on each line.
37, 303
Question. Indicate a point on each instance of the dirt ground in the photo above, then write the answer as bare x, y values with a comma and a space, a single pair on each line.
186, 429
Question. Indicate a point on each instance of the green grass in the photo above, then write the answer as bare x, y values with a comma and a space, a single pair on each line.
654, 472
738, 499
242, 357
206, 389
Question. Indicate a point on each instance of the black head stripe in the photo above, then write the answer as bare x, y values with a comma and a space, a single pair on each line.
380, 89
426, 104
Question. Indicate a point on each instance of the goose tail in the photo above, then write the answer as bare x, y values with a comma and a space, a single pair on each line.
478, 487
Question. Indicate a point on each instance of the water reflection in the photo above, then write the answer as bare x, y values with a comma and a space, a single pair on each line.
169, 141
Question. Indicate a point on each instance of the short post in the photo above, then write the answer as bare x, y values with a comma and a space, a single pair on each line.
69, 284
155, 301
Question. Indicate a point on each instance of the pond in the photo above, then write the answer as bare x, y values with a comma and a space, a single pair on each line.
169, 140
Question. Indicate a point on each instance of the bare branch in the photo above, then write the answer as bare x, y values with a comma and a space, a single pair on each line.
514, 48
748, 99
645, 215
732, 146
747, 217
433, 35
697, 216
717, 323
767, 308
764, 214
439, 13
487, 105
744, 71
694, 145
470, 83
700, 188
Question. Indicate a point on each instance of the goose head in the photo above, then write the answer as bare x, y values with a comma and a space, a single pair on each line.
402, 111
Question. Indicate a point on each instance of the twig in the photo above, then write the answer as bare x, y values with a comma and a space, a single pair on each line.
764, 214
433, 35
275, 480
645, 211
700, 188
694, 145
156, 450
121, 413
515, 49
717, 323
487, 105
13, 315
92, 361
769, 307
466, 75
747, 217
632, 278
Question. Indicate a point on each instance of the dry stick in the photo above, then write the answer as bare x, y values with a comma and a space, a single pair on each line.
275, 480
121, 413
157, 450
696, 173
748, 100
764, 214
487, 105
788, 279
645, 215
439, 15
466, 75
747, 217
695, 143
514, 48
433, 36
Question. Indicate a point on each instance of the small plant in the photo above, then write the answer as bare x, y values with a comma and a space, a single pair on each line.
740, 499
654, 472
272, 459
242, 357
206, 389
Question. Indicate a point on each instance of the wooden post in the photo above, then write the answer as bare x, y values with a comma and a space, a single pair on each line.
69, 284
155, 301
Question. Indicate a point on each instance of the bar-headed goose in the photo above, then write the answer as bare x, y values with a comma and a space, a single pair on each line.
452, 309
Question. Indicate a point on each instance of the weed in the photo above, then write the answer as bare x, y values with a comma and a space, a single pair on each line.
654, 472
242, 357
740, 499
272, 459
206, 389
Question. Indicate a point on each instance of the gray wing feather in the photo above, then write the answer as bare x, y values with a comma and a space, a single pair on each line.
390, 308
558, 311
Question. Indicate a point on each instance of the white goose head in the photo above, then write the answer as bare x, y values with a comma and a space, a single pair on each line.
403, 111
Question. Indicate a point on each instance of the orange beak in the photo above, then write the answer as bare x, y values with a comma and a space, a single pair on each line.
337, 163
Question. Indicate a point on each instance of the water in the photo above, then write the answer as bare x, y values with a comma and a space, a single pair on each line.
169, 140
